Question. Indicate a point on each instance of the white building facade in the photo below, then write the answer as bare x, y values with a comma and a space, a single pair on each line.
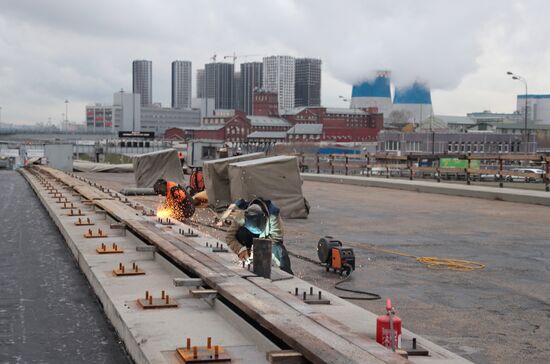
126, 111
278, 77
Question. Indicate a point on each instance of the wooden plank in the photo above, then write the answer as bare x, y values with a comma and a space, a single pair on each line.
519, 157
194, 262
483, 171
278, 314
333, 325
424, 169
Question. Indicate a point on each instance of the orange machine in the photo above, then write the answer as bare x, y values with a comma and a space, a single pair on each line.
334, 256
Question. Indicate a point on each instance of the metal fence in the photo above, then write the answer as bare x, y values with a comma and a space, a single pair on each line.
499, 168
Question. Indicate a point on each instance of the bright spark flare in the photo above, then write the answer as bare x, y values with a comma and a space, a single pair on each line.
164, 213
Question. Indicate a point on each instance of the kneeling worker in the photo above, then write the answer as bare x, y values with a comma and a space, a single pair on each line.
257, 219
177, 200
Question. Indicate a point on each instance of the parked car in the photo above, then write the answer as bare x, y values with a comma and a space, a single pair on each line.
536, 172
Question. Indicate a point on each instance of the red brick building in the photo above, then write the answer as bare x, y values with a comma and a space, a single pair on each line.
235, 128
265, 104
340, 124
326, 124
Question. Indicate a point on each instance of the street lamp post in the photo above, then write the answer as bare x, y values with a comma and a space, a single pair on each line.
525, 133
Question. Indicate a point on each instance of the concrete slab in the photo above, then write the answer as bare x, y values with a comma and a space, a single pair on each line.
149, 335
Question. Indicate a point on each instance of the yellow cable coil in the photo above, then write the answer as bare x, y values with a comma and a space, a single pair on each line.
432, 262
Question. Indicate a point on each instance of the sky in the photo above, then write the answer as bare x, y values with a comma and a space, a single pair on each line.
81, 51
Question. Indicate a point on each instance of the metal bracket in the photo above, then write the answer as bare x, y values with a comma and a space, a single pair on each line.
90, 234
103, 249
76, 213
122, 271
219, 248
311, 298
151, 303
202, 354
188, 233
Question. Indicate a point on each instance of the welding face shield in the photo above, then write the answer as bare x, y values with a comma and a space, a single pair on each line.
160, 187
255, 219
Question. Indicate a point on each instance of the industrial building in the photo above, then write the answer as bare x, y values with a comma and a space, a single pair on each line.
126, 114
339, 124
414, 102
142, 80
538, 108
181, 84
265, 103
159, 119
447, 142
278, 77
374, 93
307, 82
99, 117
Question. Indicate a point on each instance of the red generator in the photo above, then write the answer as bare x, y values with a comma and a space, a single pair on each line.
387, 323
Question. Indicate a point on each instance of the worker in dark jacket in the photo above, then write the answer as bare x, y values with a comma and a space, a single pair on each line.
178, 200
257, 219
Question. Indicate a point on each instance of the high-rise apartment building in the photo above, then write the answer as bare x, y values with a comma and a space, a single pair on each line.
278, 76
219, 84
201, 86
181, 84
237, 92
251, 80
142, 80
307, 82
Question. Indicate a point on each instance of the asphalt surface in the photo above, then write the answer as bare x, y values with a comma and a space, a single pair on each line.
500, 314
48, 312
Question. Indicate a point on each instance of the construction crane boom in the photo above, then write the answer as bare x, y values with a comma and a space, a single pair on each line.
235, 56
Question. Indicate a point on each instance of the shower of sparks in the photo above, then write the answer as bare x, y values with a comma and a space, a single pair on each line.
164, 213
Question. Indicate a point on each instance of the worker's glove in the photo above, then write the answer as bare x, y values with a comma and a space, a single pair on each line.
243, 254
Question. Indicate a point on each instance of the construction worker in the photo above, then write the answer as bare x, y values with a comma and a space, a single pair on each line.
257, 219
178, 200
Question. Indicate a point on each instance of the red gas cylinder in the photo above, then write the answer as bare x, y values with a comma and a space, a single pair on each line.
383, 327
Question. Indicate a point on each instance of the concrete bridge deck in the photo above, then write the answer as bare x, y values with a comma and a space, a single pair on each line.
499, 314
152, 337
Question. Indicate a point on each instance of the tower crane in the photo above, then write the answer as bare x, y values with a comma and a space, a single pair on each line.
235, 56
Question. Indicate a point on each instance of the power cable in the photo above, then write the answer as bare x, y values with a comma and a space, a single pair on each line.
371, 296
458, 265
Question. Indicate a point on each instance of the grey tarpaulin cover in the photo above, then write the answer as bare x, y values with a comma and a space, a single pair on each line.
216, 179
162, 164
274, 178
85, 166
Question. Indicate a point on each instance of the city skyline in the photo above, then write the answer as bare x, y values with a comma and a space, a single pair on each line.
463, 54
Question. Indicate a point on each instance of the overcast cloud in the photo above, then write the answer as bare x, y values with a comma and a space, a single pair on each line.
52, 50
